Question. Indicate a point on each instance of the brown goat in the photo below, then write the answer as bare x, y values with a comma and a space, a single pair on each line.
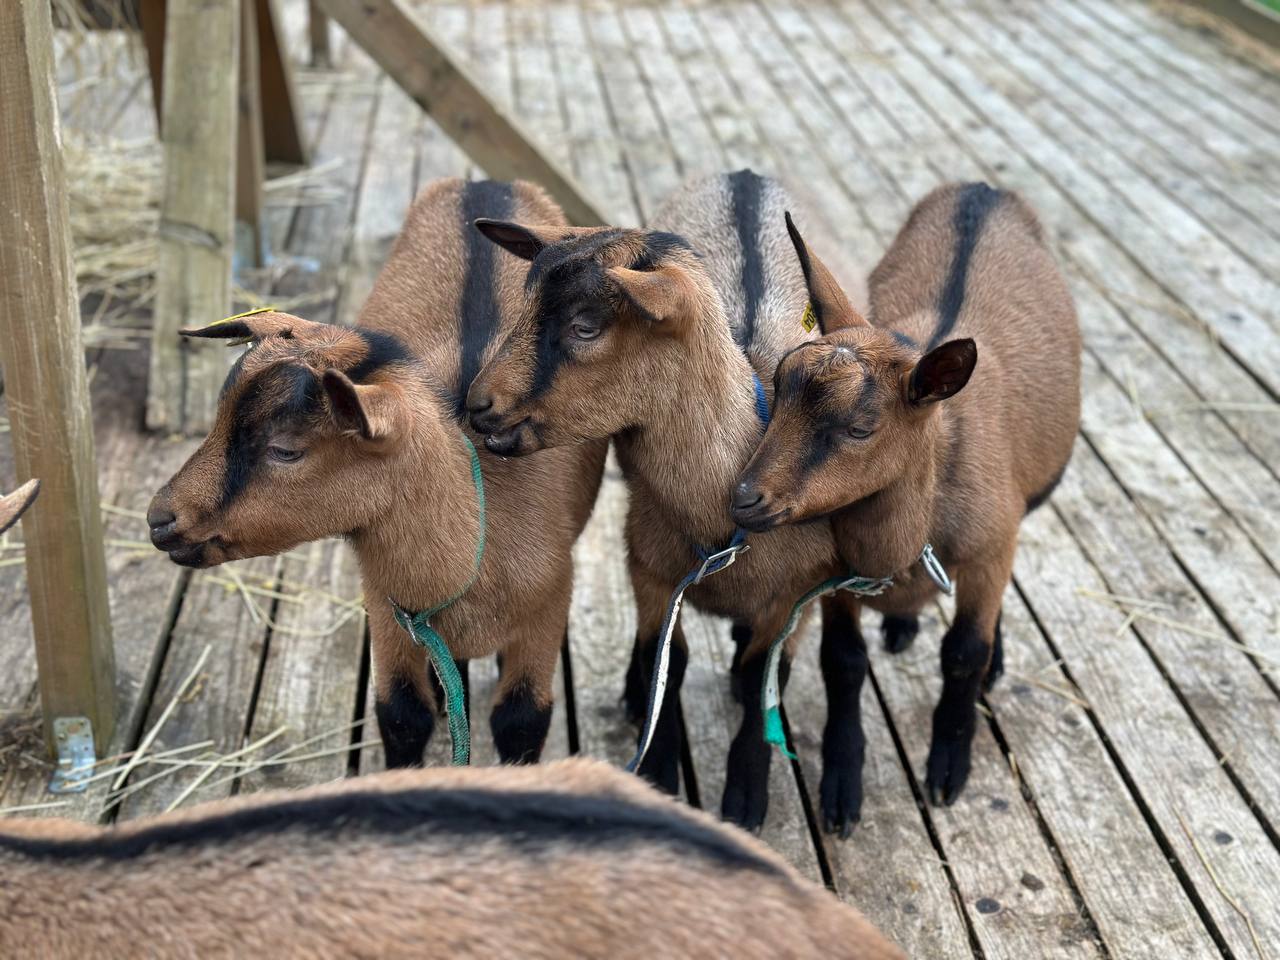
14, 505
330, 431
859, 433
570, 859
654, 337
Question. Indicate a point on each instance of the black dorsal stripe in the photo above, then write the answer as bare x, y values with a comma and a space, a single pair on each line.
746, 188
973, 205
478, 313
529, 822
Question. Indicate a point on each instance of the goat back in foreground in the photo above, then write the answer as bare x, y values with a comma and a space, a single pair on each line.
568, 859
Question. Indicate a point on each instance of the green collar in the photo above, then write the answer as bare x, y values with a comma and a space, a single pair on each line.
419, 627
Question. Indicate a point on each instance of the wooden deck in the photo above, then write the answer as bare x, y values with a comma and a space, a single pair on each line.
1125, 798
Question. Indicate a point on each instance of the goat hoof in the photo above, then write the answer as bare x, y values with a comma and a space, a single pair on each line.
746, 789
899, 632
947, 770
745, 805
841, 797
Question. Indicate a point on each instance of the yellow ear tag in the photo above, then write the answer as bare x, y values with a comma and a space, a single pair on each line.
808, 319
240, 316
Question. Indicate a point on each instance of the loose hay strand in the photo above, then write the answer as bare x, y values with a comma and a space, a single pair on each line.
151, 734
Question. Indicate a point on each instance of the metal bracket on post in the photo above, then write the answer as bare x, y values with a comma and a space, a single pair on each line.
76, 757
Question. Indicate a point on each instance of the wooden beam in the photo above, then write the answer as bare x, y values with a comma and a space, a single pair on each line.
318, 30
282, 134
197, 230
418, 62
250, 162
47, 390
282, 137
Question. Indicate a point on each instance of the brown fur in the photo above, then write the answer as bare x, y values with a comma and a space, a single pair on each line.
14, 505
959, 474
664, 375
330, 886
384, 465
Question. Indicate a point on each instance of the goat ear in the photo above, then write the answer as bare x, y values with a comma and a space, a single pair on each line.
366, 411
526, 241
13, 505
664, 296
831, 308
254, 325
942, 372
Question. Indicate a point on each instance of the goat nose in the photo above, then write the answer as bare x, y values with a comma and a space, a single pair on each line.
745, 496
478, 403
160, 517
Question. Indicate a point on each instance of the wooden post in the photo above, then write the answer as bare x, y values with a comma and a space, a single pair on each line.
418, 62
282, 137
282, 134
48, 393
197, 230
318, 28
250, 166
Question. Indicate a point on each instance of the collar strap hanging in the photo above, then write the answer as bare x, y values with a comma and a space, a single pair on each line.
711, 561
771, 696
424, 634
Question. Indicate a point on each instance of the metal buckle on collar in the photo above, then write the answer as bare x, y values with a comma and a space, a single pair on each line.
728, 555
937, 573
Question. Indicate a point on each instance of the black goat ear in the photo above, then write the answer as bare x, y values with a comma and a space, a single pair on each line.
369, 411
526, 241
942, 372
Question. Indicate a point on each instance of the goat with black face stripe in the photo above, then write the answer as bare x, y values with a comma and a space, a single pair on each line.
328, 431
654, 337
896, 432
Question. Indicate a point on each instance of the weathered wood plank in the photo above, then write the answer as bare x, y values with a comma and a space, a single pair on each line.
691, 139
1165, 241
779, 125
48, 396
1175, 775
193, 284
654, 169
1011, 917
1108, 74
1181, 50
825, 132
1131, 891
596, 152
1237, 212
310, 676
889, 867
440, 85
1230, 698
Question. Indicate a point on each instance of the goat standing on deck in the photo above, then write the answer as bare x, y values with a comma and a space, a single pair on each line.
330, 431
875, 427
572, 859
657, 338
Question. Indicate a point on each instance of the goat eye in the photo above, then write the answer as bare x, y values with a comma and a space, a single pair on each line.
858, 433
283, 454
584, 331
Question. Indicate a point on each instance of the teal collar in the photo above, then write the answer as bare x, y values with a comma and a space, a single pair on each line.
424, 634
771, 701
